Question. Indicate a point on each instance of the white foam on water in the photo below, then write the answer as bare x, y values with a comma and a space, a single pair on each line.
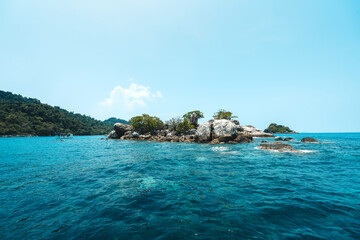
220, 149
231, 152
286, 150
201, 159
148, 182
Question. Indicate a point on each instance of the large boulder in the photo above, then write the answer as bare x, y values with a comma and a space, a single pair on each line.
113, 135
253, 131
309, 140
216, 131
122, 128
224, 130
203, 132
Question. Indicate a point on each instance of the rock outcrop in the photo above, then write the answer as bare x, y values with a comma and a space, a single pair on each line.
204, 132
254, 132
122, 128
279, 147
224, 130
213, 131
309, 140
220, 131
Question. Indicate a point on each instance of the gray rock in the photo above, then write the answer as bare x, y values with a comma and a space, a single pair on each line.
135, 134
309, 140
203, 132
224, 130
280, 147
255, 132
113, 135
288, 139
121, 128
243, 138
274, 146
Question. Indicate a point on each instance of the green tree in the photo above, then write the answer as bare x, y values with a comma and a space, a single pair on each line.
194, 116
146, 123
184, 126
223, 114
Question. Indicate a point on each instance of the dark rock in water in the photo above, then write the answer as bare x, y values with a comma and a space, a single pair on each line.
279, 139
288, 139
121, 128
275, 146
309, 140
263, 141
279, 147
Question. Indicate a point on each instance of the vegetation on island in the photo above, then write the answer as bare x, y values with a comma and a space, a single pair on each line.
223, 114
146, 123
28, 116
275, 128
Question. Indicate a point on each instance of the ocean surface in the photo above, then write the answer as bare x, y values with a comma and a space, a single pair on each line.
88, 188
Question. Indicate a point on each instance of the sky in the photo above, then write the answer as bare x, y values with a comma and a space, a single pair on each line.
295, 63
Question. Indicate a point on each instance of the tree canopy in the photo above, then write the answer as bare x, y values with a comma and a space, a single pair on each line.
223, 114
275, 128
146, 123
27, 116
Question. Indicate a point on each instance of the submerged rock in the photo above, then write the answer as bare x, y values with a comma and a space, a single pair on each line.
279, 139
309, 140
279, 147
288, 139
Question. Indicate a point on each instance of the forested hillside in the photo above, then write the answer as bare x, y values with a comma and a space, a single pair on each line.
27, 116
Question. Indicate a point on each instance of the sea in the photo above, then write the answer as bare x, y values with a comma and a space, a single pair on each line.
88, 188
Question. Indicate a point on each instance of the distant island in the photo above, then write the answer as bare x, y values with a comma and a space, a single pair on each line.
275, 128
21, 116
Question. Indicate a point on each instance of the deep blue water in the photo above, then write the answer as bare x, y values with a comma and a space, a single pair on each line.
87, 188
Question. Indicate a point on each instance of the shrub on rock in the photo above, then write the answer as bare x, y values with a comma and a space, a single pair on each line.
146, 123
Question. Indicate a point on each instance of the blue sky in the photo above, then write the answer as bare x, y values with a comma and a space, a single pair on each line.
295, 63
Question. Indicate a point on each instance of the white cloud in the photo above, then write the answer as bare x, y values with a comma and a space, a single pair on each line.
130, 98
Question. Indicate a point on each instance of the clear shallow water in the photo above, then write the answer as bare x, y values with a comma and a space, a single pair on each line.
87, 188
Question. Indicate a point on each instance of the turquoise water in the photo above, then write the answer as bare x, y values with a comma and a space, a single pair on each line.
87, 188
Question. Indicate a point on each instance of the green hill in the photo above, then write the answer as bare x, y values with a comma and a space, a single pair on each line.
28, 116
275, 128
113, 120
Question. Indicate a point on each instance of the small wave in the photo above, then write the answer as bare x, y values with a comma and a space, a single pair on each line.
220, 149
286, 150
231, 152
201, 159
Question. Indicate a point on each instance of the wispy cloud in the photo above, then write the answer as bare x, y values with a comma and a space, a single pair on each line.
134, 96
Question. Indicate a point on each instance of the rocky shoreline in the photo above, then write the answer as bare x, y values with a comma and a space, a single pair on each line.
213, 131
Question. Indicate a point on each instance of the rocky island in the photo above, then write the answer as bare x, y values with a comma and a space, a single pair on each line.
222, 129
278, 129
